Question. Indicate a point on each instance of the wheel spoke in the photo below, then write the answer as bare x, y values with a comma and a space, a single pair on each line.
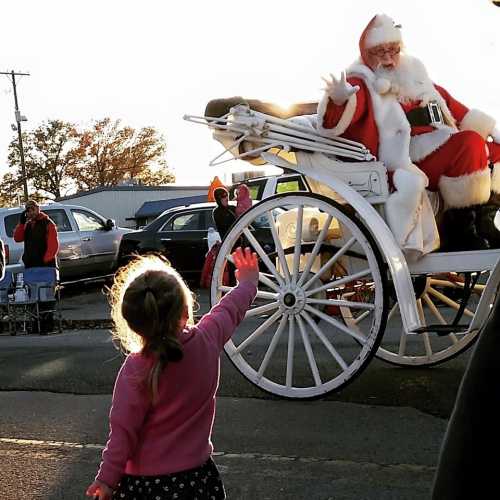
258, 332
309, 352
261, 309
315, 250
261, 294
262, 254
360, 338
433, 309
331, 261
449, 302
438, 315
425, 335
339, 282
270, 283
345, 303
444, 283
361, 317
338, 358
402, 344
290, 351
392, 312
279, 247
298, 244
272, 346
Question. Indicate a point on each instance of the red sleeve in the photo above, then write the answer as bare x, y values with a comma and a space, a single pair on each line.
19, 233
457, 109
52, 243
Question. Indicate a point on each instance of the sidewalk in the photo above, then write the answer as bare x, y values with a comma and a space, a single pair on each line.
265, 449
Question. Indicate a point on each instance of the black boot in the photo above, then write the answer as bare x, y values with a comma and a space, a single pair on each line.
459, 231
494, 199
485, 224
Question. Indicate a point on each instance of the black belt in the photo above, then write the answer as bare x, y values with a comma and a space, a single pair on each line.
428, 115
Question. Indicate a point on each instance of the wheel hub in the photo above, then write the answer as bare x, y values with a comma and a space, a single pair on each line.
289, 299
292, 299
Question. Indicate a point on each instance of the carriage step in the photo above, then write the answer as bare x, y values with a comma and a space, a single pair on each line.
442, 330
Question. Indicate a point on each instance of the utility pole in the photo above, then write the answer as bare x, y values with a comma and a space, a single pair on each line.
19, 118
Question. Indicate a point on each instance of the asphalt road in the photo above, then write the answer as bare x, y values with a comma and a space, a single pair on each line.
376, 439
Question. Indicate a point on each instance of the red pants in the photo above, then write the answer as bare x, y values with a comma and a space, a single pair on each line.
464, 153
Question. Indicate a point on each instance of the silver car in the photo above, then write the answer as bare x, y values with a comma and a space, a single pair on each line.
88, 242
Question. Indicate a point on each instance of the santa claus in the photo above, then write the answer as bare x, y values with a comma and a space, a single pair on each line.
424, 136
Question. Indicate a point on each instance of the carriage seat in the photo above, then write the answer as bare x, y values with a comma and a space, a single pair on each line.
220, 107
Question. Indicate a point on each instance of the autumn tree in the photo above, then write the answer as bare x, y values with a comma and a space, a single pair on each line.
49, 152
11, 190
110, 153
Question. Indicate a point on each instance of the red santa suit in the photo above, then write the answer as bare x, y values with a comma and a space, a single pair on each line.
454, 153
447, 152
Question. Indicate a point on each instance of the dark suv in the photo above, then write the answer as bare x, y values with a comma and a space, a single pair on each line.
180, 234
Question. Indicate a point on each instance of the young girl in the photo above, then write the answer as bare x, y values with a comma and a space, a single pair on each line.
164, 398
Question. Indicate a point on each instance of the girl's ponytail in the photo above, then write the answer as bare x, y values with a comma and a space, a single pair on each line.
152, 305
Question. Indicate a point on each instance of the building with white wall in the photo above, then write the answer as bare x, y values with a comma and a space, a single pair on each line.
122, 202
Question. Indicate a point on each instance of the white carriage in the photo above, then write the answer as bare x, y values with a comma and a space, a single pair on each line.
335, 278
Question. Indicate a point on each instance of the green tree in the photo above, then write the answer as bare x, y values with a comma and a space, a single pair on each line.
49, 152
110, 153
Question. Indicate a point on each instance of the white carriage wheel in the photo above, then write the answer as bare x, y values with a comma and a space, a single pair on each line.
429, 349
288, 344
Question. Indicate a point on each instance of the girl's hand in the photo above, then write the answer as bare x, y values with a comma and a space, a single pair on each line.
99, 490
247, 267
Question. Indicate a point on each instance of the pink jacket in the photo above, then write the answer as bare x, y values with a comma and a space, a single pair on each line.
173, 434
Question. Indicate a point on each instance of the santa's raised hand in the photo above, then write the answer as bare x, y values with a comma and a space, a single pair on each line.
339, 90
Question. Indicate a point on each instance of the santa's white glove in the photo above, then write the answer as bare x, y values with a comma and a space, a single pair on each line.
495, 135
339, 90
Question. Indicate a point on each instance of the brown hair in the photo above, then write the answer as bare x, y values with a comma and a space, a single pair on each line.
148, 302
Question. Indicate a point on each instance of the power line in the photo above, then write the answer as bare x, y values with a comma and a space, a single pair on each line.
19, 118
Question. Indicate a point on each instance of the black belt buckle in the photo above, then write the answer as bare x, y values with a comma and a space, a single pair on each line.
435, 114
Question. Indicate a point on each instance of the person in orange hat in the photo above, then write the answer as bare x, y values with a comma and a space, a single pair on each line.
216, 183
424, 136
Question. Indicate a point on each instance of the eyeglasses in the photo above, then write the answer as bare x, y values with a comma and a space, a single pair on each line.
381, 52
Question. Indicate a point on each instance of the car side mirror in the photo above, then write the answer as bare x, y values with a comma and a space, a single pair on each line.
110, 224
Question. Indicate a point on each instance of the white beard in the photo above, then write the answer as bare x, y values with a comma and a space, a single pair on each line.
409, 81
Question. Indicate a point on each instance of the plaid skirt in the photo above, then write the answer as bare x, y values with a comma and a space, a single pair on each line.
201, 483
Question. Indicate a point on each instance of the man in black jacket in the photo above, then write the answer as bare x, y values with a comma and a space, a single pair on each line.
41, 245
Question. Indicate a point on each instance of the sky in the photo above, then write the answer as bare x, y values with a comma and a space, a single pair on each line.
149, 62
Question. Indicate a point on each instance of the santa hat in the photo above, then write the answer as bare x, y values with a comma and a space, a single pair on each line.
381, 29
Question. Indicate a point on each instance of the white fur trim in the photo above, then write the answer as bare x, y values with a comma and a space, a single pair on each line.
495, 178
382, 85
423, 145
393, 127
479, 122
383, 31
344, 121
409, 213
466, 190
